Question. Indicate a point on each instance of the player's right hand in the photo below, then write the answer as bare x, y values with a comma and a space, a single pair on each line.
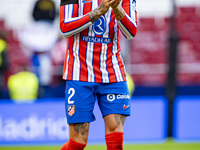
105, 5
100, 10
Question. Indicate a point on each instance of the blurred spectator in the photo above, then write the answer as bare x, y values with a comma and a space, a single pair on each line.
131, 85
23, 86
3, 57
3, 63
44, 10
125, 46
40, 37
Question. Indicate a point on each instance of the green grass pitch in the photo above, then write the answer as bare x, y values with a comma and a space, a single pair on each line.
169, 145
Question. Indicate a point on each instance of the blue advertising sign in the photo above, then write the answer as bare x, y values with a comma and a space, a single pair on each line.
44, 122
148, 121
186, 124
40, 122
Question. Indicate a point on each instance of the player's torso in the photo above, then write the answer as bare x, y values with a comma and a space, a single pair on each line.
96, 49
104, 30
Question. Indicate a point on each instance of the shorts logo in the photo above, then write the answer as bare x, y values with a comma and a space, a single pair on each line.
99, 26
123, 96
110, 97
125, 107
71, 109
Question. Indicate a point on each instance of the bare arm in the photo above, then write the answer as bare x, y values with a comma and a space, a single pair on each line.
71, 23
126, 16
118, 10
100, 10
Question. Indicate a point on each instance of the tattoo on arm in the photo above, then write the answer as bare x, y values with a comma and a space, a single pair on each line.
119, 13
93, 15
96, 13
81, 128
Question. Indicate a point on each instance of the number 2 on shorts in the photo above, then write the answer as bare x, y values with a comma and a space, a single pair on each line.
71, 91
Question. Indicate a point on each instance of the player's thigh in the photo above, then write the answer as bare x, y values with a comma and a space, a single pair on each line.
114, 98
114, 102
79, 102
79, 132
114, 123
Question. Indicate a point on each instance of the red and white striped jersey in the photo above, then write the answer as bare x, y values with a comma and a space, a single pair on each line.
93, 52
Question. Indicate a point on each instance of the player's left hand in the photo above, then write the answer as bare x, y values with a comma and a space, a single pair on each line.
115, 4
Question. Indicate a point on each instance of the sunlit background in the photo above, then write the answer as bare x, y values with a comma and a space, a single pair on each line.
163, 62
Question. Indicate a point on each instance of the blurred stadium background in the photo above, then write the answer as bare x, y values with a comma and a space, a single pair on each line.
163, 61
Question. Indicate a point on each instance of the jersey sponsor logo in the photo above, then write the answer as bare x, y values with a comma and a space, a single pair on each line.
71, 109
96, 39
86, 1
125, 107
99, 26
111, 97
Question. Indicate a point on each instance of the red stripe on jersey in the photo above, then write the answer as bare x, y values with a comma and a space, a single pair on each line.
129, 25
70, 42
120, 62
96, 61
62, 13
87, 8
136, 17
112, 76
96, 58
75, 11
83, 50
68, 26
126, 6
118, 45
71, 58
82, 56
65, 61
122, 31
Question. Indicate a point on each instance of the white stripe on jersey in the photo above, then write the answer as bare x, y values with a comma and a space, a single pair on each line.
66, 71
124, 29
89, 60
132, 19
133, 13
90, 51
104, 48
76, 67
68, 18
114, 57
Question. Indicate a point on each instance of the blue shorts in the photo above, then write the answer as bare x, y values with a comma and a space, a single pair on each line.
80, 97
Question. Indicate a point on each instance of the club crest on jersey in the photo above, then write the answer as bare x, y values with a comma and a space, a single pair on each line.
71, 109
99, 26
